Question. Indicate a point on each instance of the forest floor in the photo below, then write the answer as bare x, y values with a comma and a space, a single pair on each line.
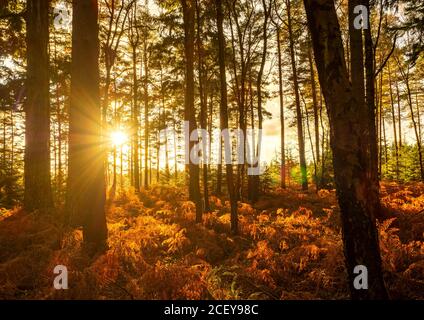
289, 247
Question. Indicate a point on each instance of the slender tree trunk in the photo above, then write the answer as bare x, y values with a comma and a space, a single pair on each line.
419, 131
189, 112
146, 119
256, 181
308, 130
371, 131
300, 135
203, 105
146, 109
316, 116
379, 112
360, 238
86, 179
356, 54
224, 113
392, 104
38, 192
383, 123
281, 95
399, 115
252, 152
136, 124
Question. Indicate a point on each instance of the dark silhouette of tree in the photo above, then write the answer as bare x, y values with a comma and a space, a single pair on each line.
347, 125
38, 192
86, 178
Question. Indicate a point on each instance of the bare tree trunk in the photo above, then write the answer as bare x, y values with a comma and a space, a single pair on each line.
224, 113
146, 105
359, 232
316, 116
300, 137
392, 104
136, 124
371, 131
189, 112
203, 105
399, 115
240, 91
86, 180
255, 178
281, 95
38, 192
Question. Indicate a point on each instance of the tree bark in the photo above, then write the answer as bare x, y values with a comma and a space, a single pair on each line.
371, 131
255, 178
38, 192
223, 112
135, 117
392, 104
189, 112
146, 107
203, 105
86, 179
316, 117
359, 231
299, 122
281, 96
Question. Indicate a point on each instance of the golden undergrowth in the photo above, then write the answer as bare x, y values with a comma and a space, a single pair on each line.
289, 247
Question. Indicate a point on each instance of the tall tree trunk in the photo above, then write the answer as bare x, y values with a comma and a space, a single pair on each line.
399, 115
146, 107
86, 179
360, 238
203, 105
316, 116
371, 116
224, 114
308, 130
38, 192
356, 54
392, 104
189, 112
135, 123
281, 95
300, 135
256, 181
383, 124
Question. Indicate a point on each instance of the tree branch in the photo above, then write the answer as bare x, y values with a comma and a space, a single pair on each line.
387, 58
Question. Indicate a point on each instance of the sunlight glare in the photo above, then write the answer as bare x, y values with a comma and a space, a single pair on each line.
118, 138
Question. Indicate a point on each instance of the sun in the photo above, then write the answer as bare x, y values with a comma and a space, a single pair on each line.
118, 138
